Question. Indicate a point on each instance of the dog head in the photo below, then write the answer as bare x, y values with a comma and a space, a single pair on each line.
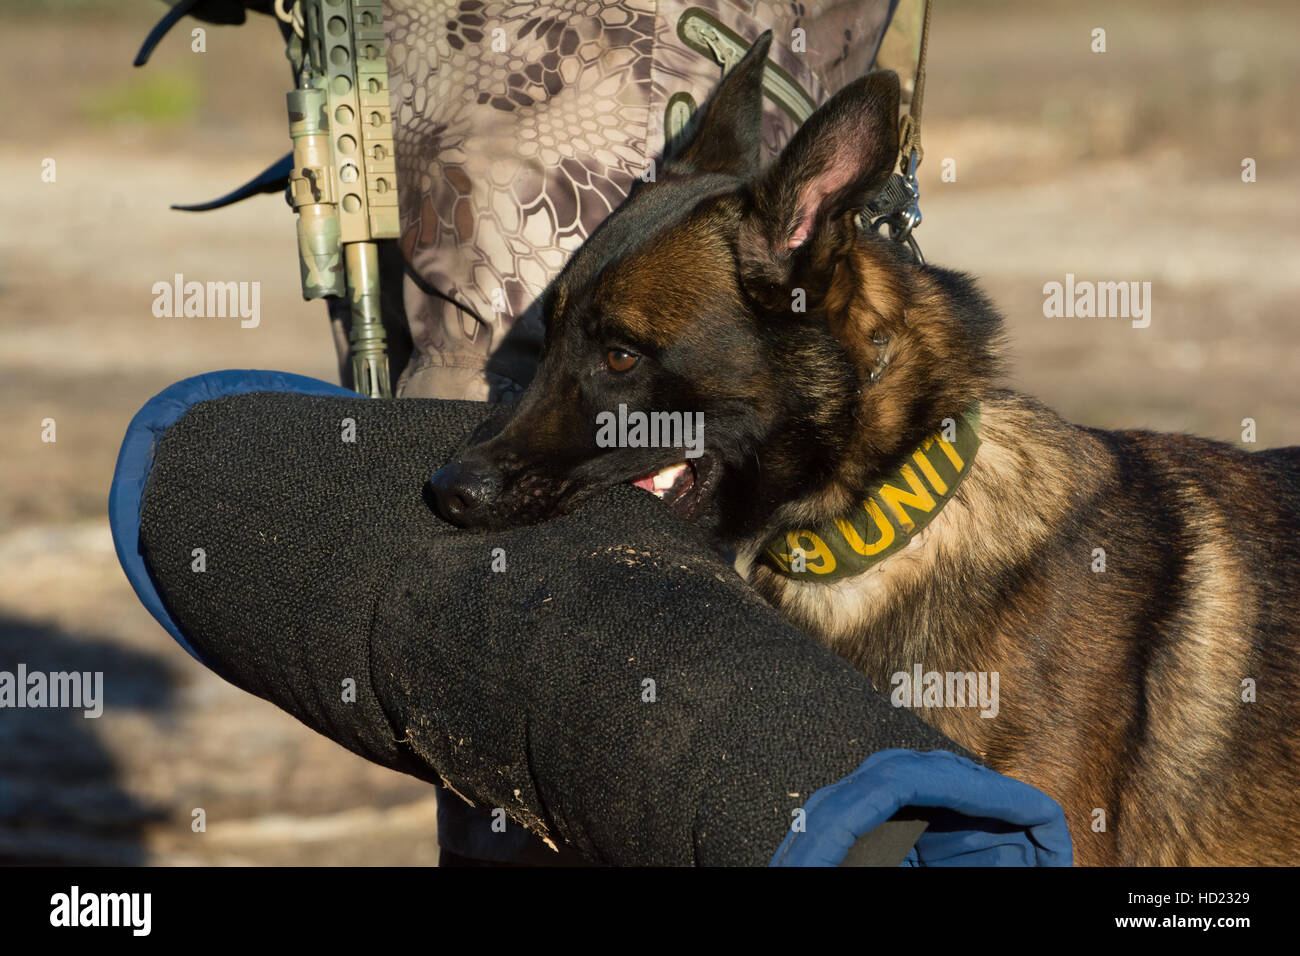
751, 301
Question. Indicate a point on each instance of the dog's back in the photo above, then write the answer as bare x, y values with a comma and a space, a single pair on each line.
1208, 537
1138, 597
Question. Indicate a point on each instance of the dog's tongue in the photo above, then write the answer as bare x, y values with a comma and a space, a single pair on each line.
661, 481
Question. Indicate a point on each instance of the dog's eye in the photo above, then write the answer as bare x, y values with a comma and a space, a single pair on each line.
620, 360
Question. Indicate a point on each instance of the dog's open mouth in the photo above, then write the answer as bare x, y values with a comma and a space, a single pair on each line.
684, 487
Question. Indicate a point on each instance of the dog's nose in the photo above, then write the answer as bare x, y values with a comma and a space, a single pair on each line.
461, 490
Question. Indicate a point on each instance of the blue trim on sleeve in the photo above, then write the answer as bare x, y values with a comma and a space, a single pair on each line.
126, 496
983, 818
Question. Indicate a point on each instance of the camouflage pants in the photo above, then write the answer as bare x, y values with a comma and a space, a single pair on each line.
520, 126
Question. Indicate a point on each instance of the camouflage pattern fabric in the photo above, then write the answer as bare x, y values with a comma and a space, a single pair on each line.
520, 126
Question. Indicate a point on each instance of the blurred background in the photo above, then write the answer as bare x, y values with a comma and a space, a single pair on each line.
1117, 166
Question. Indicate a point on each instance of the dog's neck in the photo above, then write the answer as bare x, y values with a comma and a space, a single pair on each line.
900, 354
900, 611
890, 517
938, 336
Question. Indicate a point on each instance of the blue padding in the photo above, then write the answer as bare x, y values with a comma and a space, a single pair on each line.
978, 817
135, 458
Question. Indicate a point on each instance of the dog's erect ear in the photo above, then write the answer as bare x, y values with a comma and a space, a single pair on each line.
806, 202
724, 135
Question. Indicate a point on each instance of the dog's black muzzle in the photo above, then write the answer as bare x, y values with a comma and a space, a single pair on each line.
462, 491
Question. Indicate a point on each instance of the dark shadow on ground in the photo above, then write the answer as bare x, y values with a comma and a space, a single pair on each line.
61, 801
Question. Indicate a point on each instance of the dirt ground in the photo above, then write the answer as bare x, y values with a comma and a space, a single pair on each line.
1123, 165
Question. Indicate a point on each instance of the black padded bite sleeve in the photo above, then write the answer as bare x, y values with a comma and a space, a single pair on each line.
616, 687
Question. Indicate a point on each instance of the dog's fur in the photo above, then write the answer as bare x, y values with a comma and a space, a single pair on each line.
1121, 691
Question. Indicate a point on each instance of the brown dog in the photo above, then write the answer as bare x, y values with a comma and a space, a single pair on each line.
1122, 608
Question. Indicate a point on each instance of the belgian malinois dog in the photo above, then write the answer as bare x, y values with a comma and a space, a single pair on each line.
1136, 595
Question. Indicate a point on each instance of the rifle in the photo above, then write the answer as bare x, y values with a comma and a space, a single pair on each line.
343, 184
341, 176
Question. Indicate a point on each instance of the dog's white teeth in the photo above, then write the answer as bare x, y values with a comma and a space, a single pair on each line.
661, 482
667, 478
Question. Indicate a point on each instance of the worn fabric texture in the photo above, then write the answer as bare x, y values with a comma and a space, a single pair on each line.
616, 689
520, 126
